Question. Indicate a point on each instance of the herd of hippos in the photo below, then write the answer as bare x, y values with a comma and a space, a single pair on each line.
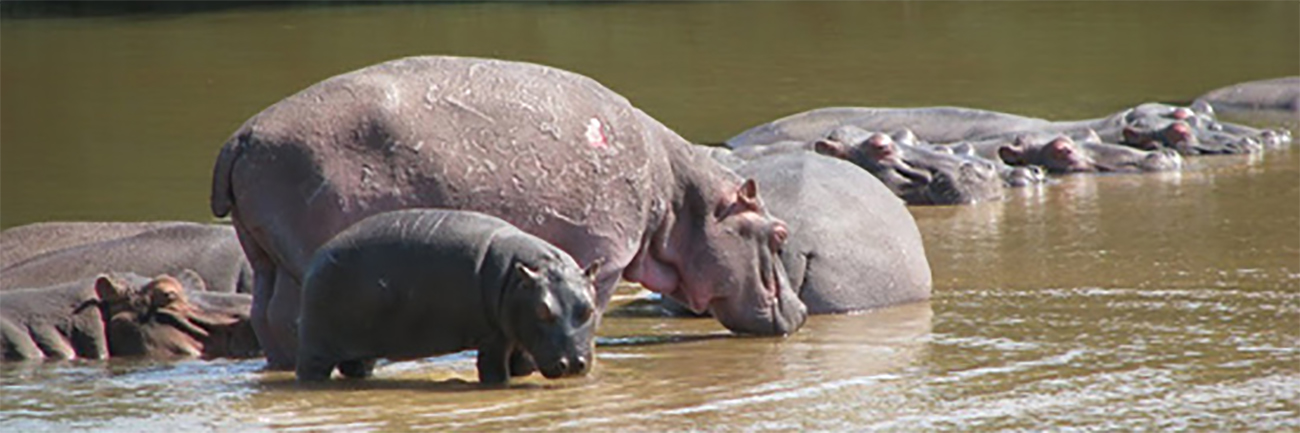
430, 205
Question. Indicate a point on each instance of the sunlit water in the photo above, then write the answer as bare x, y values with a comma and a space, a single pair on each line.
1120, 302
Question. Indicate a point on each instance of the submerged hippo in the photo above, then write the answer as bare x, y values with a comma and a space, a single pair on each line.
853, 245
118, 315
550, 151
1278, 95
1061, 154
58, 252
421, 282
918, 175
956, 124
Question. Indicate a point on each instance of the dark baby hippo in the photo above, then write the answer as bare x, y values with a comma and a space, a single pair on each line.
416, 283
125, 315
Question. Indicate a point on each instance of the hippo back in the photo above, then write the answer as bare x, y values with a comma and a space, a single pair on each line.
853, 245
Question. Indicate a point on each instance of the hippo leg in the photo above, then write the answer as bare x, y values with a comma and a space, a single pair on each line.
358, 369
16, 343
264, 276
521, 364
282, 318
52, 343
313, 367
493, 361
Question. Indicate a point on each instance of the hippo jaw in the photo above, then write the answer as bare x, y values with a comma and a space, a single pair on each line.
778, 312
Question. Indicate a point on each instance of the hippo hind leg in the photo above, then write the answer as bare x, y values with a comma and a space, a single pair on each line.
312, 368
358, 368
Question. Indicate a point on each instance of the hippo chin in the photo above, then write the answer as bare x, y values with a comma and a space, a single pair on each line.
558, 155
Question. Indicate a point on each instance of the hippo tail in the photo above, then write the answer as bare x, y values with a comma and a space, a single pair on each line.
223, 199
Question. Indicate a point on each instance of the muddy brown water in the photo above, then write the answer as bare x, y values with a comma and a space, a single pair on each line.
1120, 302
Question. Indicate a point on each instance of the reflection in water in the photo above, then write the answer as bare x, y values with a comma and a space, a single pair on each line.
1111, 302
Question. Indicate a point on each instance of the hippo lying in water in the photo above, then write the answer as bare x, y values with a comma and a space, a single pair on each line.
918, 175
121, 315
1279, 96
44, 254
957, 124
853, 245
1060, 154
421, 282
552, 152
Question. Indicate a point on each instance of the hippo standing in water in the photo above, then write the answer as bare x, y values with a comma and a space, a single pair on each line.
550, 151
124, 314
422, 282
49, 253
853, 245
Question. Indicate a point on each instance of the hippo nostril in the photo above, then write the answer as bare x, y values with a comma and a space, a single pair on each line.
563, 364
580, 364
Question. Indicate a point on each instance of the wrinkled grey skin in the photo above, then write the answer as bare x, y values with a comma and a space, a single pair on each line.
918, 175
1277, 95
550, 151
1012, 176
57, 252
422, 282
124, 315
1145, 122
853, 245
1191, 131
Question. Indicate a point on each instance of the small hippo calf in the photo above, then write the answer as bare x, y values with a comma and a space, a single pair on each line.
422, 282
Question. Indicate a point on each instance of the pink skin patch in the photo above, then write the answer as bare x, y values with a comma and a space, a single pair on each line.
596, 134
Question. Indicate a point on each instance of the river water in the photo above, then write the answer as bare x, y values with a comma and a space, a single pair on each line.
1117, 302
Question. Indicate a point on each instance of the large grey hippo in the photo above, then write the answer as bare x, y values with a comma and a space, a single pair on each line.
853, 245
552, 152
49, 253
447, 281
124, 314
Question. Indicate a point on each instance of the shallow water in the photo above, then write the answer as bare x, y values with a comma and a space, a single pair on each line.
1116, 302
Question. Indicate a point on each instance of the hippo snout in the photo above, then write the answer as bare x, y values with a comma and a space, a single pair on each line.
566, 366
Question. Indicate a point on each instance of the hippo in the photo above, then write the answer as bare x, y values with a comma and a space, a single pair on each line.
957, 124
853, 245
421, 282
1192, 131
1060, 154
124, 315
146, 248
918, 175
1279, 96
552, 152
30, 240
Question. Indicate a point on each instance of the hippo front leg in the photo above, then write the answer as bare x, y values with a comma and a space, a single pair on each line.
494, 361
521, 364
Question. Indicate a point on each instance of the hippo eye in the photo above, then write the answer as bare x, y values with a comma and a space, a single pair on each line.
583, 314
544, 313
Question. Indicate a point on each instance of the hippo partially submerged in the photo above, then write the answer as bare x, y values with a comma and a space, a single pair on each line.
552, 152
49, 253
422, 282
124, 315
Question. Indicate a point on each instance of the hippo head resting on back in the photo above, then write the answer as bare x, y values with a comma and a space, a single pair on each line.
159, 320
917, 175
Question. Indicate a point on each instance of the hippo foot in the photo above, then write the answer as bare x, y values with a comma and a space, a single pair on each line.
358, 369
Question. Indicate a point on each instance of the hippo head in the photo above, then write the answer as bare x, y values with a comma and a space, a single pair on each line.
730, 265
1188, 139
549, 310
1060, 155
919, 175
157, 320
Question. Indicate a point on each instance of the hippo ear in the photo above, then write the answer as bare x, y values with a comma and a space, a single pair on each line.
593, 269
831, 148
528, 276
191, 280
109, 290
165, 292
1203, 108
1012, 155
747, 194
